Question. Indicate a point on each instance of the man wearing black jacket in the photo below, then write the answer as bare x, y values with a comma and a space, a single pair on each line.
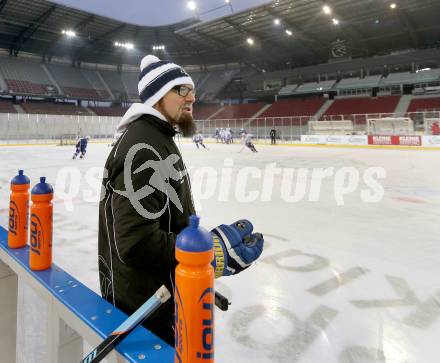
273, 136
147, 200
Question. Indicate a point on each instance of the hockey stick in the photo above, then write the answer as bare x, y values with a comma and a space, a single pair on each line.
241, 149
128, 325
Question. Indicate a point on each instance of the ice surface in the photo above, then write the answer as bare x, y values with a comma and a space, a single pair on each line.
340, 279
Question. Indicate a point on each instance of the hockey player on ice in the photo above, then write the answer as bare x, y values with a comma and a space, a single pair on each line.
232, 134
198, 140
228, 136
247, 141
217, 135
222, 135
81, 147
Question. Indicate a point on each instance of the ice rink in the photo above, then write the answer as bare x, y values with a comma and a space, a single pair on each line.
351, 265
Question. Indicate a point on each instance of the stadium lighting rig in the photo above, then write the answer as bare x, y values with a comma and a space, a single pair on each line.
68, 33
124, 45
326, 9
158, 47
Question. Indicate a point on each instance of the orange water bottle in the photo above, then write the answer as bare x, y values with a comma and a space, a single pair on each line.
40, 252
194, 295
18, 211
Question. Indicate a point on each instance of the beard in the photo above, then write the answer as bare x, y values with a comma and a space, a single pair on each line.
186, 125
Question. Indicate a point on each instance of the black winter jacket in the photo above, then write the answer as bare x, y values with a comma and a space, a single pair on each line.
139, 219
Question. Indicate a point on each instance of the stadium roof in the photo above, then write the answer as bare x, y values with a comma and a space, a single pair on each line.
158, 12
364, 28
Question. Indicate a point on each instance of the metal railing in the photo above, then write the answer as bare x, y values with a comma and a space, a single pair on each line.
292, 127
34, 128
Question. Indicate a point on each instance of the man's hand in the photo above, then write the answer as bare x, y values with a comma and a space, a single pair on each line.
235, 247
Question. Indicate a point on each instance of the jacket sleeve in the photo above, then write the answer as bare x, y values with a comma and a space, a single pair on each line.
141, 214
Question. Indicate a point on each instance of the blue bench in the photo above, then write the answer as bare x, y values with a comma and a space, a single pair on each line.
92, 317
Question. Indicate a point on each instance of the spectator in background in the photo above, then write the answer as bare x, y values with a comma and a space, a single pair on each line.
273, 136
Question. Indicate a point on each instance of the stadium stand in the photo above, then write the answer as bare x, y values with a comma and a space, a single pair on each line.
196, 76
428, 76
423, 77
7, 107
25, 77
347, 107
114, 81
315, 87
72, 82
399, 78
95, 81
213, 83
130, 81
239, 111
356, 83
294, 107
288, 90
257, 85
53, 108
203, 112
424, 104
108, 111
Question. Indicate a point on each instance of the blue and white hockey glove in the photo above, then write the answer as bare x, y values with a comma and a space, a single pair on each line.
235, 247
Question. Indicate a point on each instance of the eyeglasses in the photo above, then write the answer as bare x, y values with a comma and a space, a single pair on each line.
183, 91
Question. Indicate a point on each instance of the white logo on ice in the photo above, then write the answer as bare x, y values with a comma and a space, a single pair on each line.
164, 170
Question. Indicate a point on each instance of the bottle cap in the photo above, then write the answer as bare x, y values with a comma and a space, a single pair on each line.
194, 238
20, 179
42, 187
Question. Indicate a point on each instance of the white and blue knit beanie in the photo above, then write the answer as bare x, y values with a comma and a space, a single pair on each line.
157, 77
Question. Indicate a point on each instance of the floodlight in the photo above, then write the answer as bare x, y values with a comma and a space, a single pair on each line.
129, 46
158, 47
191, 5
69, 33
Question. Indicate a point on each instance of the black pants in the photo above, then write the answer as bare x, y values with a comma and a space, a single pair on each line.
160, 323
163, 330
251, 146
201, 143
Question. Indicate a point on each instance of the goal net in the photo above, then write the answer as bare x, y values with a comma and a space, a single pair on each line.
390, 126
340, 127
428, 124
68, 139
